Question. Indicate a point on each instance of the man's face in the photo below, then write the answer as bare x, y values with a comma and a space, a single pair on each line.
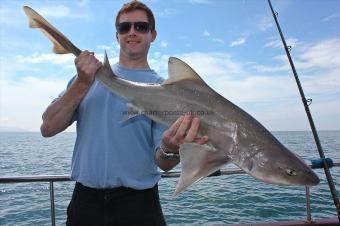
135, 44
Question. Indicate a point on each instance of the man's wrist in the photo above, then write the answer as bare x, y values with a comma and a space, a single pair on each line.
167, 154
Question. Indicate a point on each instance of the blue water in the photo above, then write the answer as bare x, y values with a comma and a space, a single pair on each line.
216, 200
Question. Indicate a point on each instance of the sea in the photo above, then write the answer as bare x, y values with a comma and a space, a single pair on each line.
226, 199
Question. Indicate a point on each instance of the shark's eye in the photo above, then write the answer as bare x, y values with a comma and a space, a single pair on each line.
291, 172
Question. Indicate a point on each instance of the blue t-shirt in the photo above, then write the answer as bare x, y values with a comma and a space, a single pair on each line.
110, 152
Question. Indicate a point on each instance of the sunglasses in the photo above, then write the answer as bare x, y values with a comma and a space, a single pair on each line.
139, 26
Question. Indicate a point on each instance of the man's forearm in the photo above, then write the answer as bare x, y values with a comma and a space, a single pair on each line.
58, 115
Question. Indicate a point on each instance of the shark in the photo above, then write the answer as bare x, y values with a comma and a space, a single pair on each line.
234, 135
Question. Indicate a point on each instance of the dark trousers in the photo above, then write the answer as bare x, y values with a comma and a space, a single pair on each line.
118, 206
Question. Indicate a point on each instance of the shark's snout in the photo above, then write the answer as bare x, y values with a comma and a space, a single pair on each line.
309, 178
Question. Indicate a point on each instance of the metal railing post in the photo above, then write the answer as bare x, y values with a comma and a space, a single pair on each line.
52, 203
308, 209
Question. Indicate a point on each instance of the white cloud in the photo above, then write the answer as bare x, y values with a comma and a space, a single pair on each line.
4, 13
55, 11
7, 18
331, 17
237, 42
159, 63
200, 1
112, 49
214, 39
321, 55
82, 3
206, 33
218, 40
167, 12
164, 44
324, 54
265, 23
215, 64
278, 43
36, 58
279, 68
60, 11
22, 103
229, 78
105, 47
9, 66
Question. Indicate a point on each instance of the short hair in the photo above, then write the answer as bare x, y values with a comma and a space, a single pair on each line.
137, 5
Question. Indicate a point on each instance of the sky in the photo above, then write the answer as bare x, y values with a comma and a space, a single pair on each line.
233, 45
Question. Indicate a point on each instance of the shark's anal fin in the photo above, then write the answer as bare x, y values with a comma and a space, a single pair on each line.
198, 161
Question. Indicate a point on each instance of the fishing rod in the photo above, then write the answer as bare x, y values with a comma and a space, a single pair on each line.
306, 104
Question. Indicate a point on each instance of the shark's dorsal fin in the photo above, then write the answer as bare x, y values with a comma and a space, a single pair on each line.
179, 70
107, 63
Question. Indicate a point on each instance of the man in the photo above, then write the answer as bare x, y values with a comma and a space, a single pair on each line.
114, 161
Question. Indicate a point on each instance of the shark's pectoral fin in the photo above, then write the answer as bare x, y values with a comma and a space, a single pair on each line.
198, 161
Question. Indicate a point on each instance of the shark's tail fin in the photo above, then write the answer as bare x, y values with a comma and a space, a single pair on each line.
61, 43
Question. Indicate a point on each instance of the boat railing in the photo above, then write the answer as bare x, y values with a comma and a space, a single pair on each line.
172, 174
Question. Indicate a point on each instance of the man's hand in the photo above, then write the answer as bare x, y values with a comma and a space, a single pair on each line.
184, 130
87, 65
